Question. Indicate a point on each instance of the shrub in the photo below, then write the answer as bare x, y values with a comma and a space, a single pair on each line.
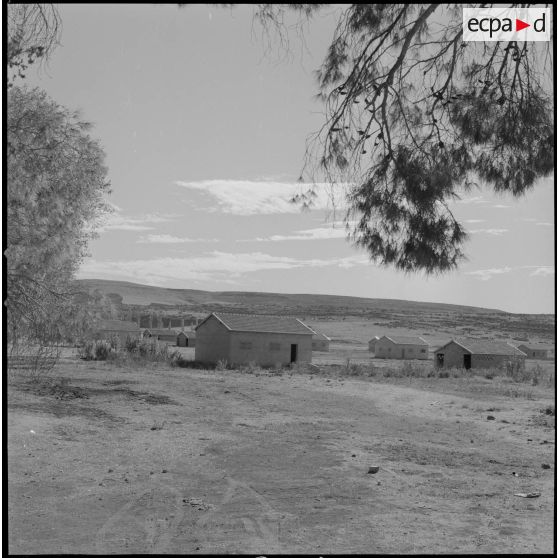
221, 365
100, 349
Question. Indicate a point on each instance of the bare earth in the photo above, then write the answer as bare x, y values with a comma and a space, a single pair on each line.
171, 460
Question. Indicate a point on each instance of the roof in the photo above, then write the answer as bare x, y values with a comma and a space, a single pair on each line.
320, 336
117, 325
189, 334
260, 324
486, 347
375, 338
536, 347
406, 340
161, 331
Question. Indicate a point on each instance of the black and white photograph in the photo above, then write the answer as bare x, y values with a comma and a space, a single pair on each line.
279, 279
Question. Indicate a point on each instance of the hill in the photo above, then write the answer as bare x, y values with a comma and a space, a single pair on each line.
135, 294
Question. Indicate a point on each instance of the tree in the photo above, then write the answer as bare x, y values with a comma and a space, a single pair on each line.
414, 116
33, 33
56, 183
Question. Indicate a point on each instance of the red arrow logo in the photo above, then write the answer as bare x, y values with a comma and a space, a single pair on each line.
519, 25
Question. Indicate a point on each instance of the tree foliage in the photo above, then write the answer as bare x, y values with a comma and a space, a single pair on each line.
56, 183
414, 117
33, 33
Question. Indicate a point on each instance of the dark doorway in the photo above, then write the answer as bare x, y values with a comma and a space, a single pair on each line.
294, 353
440, 359
467, 361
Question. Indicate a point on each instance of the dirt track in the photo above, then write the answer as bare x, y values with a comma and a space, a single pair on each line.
184, 461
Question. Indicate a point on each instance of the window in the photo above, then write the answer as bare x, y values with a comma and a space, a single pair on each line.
274, 346
245, 345
423, 350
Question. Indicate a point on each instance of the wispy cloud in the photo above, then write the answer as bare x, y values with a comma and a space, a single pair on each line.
494, 232
472, 200
118, 221
544, 224
486, 274
250, 197
500, 206
474, 221
169, 239
319, 233
537, 271
216, 266
542, 271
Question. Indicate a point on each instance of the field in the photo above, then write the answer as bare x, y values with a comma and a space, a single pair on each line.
108, 458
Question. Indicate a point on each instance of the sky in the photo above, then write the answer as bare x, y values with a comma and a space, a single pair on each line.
204, 123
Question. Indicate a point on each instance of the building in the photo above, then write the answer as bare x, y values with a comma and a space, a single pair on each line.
478, 353
161, 334
401, 347
372, 344
538, 351
320, 342
244, 338
186, 339
105, 329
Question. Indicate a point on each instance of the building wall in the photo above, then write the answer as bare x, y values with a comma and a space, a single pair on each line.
122, 335
453, 358
536, 353
181, 340
268, 349
385, 348
212, 341
320, 345
453, 355
372, 345
495, 361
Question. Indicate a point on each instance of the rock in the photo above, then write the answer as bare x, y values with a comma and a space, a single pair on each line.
164, 471
353, 455
490, 417
226, 391
373, 470
110, 470
545, 466
528, 494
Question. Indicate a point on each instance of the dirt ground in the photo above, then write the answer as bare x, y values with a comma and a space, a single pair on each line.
170, 460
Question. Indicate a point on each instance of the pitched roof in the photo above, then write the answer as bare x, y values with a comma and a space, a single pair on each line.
486, 347
320, 336
406, 339
189, 334
259, 323
117, 325
536, 347
161, 331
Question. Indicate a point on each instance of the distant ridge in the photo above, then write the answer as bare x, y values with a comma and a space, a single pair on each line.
144, 295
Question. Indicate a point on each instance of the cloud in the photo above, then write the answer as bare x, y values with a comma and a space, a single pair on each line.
117, 221
472, 200
486, 274
216, 266
544, 224
494, 232
538, 271
500, 206
169, 239
251, 197
542, 271
319, 233
473, 221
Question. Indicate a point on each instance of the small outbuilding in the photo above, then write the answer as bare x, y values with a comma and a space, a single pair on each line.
478, 353
105, 329
161, 334
244, 338
372, 344
186, 339
401, 347
538, 351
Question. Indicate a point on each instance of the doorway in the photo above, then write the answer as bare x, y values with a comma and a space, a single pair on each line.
467, 362
294, 353
440, 359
